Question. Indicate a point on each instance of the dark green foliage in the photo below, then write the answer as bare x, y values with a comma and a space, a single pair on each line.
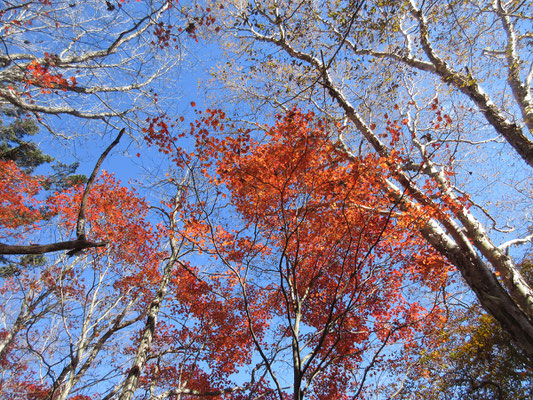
9, 267
64, 176
14, 128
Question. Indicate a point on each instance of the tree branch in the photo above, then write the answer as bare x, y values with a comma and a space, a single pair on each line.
81, 242
511, 131
72, 245
80, 226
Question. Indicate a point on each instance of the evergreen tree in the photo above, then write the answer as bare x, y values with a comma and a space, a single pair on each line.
15, 128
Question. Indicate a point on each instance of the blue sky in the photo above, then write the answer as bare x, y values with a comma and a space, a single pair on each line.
190, 82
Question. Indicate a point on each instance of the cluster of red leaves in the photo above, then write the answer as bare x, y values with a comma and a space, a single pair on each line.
164, 35
115, 214
158, 133
341, 243
338, 213
167, 34
40, 75
200, 17
19, 206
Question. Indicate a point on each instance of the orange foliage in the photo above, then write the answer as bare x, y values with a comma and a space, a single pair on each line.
321, 237
18, 204
308, 253
115, 214
40, 75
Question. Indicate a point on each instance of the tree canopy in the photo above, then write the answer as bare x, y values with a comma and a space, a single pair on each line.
401, 77
336, 214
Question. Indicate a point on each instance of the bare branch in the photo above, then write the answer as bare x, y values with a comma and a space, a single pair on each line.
73, 245
468, 85
80, 225
516, 242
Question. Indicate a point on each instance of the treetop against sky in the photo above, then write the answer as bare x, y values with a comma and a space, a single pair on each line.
321, 194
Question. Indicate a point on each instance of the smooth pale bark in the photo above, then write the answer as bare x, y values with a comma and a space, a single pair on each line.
131, 381
86, 351
25, 315
132, 378
511, 131
515, 314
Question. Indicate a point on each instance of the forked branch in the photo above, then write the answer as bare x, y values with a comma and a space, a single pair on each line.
80, 243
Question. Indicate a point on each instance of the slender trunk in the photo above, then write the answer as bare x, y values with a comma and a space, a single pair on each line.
131, 382
132, 379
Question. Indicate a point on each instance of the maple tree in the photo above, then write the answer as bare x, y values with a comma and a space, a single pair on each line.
325, 270
92, 297
21, 208
399, 75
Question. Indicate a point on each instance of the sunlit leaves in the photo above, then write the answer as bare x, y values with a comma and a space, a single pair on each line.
315, 237
19, 204
115, 214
